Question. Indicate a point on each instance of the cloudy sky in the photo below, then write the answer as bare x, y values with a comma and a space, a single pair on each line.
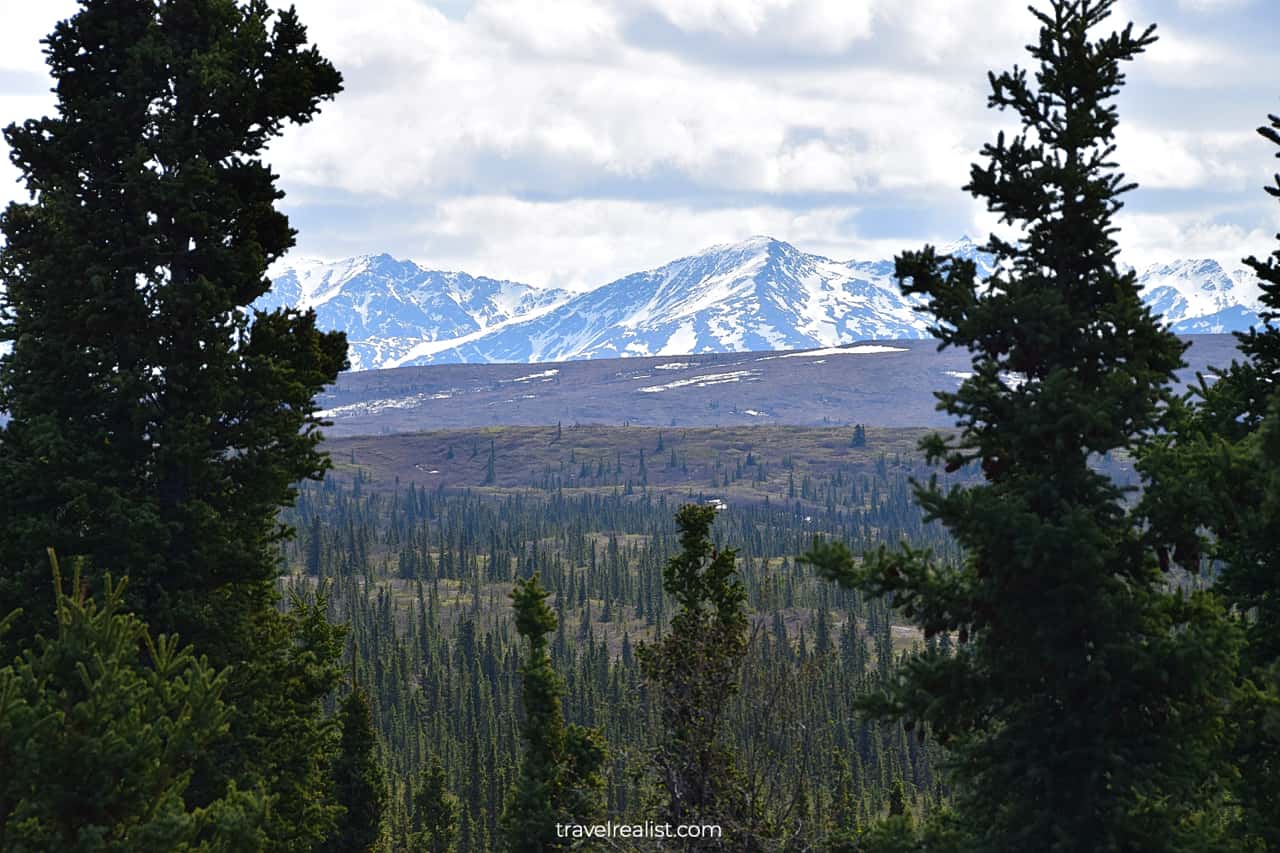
569, 142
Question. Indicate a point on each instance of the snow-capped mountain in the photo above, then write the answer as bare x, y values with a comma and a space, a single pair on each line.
387, 306
1200, 297
760, 294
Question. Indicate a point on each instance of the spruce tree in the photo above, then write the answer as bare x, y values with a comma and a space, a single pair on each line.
1216, 469
157, 423
99, 727
560, 779
435, 812
360, 783
1082, 703
694, 670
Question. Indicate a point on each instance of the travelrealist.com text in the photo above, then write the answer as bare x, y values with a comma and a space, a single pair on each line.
648, 829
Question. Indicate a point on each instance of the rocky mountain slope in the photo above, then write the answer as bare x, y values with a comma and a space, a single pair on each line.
388, 306
759, 294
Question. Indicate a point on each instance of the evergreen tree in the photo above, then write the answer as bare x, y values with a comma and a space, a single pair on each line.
435, 813
157, 423
1082, 704
359, 781
694, 670
560, 780
278, 733
99, 726
490, 474
1217, 468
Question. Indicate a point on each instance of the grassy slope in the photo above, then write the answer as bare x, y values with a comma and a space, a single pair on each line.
526, 457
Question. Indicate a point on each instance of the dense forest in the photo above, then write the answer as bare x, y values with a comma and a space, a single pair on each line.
422, 577
1053, 628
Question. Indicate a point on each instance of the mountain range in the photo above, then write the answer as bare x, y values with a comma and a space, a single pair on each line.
759, 294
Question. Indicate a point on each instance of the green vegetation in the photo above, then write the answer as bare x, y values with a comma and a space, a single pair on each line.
359, 780
435, 813
156, 424
1022, 653
560, 781
693, 670
423, 577
100, 726
1082, 705
1217, 471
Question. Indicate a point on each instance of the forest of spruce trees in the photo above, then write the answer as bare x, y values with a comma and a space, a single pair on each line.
215, 638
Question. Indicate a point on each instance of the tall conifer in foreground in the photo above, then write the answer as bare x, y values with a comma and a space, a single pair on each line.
1218, 467
1082, 702
560, 779
694, 671
157, 425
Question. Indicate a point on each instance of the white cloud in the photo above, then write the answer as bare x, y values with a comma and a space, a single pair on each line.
25, 24
505, 129
1190, 159
1158, 238
960, 33
565, 28
827, 26
1212, 5
560, 141
591, 242
1194, 62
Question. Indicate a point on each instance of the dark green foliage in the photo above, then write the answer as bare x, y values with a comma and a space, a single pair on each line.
1217, 470
99, 726
435, 813
278, 732
859, 438
157, 424
360, 784
560, 780
1083, 703
694, 670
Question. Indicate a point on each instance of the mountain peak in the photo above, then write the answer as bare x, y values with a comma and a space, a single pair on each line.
965, 247
754, 243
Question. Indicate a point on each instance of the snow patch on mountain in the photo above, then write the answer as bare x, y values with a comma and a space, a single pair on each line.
703, 381
865, 349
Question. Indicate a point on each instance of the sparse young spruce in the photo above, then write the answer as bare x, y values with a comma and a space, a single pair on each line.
1083, 703
694, 670
560, 778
